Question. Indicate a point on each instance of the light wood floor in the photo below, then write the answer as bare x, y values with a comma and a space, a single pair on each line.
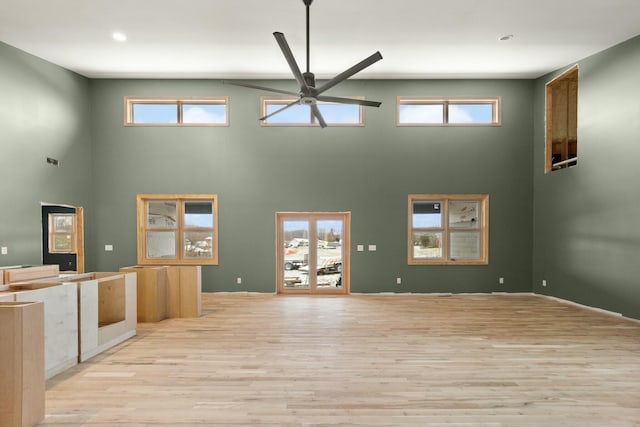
357, 360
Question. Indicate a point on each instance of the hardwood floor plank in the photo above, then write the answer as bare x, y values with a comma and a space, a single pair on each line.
363, 360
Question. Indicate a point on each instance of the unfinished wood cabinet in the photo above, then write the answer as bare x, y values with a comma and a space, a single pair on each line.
185, 290
107, 310
61, 326
168, 291
22, 382
151, 293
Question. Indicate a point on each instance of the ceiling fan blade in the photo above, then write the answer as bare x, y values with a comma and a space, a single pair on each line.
341, 100
350, 72
252, 86
316, 112
279, 110
288, 55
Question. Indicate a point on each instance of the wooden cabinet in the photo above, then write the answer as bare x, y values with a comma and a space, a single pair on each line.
61, 326
22, 383
168, 291
151, 293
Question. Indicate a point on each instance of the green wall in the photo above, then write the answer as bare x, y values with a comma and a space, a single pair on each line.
368, 171
586, 233
44, 112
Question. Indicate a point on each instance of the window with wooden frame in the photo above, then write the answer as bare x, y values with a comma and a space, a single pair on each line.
426, 111
300, 115
448, 229
62, 233
180, 229
176, 111
562, 121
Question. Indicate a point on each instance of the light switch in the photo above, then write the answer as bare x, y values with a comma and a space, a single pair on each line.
360, 248
372, 248
108, 248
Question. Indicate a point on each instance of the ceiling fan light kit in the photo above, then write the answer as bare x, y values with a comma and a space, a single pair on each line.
308, 93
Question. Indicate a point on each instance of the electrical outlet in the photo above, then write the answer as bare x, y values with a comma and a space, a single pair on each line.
360, 248
5, 250
501, 280
238, 280
398, 281
108, 248
544, 283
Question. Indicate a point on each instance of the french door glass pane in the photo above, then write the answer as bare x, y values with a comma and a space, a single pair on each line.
296, 253
329, 253
427, 245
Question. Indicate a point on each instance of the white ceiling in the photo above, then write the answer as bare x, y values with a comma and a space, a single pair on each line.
233, 38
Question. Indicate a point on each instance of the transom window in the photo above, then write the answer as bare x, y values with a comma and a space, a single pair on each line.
300, 115
186, 111
177, 229
421, 111
448, 229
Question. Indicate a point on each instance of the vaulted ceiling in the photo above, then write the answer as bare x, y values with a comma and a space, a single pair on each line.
233, 38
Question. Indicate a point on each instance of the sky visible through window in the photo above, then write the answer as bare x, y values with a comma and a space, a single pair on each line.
301, 114
434, 113
168, 113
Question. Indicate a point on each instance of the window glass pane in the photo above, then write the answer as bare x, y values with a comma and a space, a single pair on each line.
427, 245
424, 113
463, 214
345, 113
62, 223
204, 113
470, 113
155, 113
464, 245
296, 114
161, 214
198, 244
427, 215
63, 243
198, 214
161, 244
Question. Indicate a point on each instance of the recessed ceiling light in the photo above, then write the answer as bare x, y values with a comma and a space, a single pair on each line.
505, 38
120, 37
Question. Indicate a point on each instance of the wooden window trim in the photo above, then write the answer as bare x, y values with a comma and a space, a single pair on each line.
264, 100
571, 122
483, 228
494, 101
180, 259
130, 101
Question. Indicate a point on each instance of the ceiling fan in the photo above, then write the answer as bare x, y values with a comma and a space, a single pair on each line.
308, 93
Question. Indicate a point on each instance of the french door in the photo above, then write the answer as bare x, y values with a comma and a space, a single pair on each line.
312, 252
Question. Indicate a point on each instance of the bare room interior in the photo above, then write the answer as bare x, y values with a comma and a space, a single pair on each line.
319, 213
